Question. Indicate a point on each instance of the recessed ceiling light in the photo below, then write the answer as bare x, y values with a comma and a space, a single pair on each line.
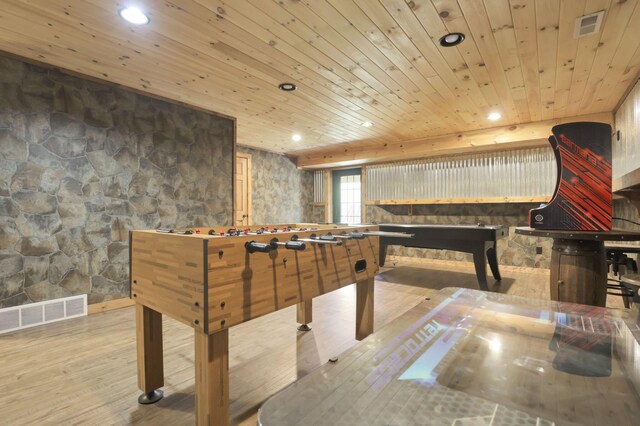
494, 116
296, 138
451, 39
367, 124
287, 87
134, 16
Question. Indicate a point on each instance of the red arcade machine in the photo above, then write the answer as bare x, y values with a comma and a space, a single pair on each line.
582, 198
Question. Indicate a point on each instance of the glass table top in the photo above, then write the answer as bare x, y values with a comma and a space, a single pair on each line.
468, 357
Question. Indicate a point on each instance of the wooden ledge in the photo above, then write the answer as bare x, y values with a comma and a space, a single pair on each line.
479, 200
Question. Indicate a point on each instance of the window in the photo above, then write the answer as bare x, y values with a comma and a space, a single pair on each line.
350, 209
347, 192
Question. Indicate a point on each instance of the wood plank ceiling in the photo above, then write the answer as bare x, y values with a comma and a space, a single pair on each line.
353, 61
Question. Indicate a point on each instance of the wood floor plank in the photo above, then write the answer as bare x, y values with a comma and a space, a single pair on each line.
83, 371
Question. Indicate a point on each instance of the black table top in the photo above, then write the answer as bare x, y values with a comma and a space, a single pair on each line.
438, 226
622, 248
613, 235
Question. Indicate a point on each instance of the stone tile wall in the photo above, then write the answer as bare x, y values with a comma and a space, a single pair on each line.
280, 192
83, 163
318, 214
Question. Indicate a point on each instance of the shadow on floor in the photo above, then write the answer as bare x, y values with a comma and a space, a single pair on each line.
437, 279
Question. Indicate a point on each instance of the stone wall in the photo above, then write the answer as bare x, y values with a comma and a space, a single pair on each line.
318, 214
83, 163
280, 192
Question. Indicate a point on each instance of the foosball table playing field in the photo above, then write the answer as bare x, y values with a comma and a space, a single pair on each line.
214, 278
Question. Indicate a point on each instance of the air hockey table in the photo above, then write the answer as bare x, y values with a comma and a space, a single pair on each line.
479, 240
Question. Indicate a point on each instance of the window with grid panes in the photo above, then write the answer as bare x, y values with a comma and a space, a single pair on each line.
350, 199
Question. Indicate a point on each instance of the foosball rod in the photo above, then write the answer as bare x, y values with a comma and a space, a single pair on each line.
319, 241
383, 234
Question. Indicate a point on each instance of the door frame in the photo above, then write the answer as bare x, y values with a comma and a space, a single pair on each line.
238, 190
335, 177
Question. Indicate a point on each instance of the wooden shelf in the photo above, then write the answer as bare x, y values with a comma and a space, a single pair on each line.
629, 181
479, 200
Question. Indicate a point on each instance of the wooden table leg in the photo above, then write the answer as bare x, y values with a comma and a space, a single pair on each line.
304, 314
364, 308
212, 378
578, 272
149, 348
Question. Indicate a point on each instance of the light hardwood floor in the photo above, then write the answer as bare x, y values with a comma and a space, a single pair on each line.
83, 371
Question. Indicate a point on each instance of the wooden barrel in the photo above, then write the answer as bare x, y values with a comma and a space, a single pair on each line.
579, 272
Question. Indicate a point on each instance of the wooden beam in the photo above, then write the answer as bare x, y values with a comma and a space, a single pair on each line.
363, 192
470, 200
328, 196
496, 138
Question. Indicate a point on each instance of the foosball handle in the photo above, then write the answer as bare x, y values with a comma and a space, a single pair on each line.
357, 235
253, 247
295, 245
327, 237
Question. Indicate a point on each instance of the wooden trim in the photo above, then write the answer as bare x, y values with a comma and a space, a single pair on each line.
320, 203
249, 186
492, 139
109, 305
233, 174
479, 200
363, 196
328, 196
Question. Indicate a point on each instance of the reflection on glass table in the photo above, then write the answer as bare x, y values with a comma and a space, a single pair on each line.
468, 357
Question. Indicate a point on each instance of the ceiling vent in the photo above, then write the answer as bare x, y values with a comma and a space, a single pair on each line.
588, 24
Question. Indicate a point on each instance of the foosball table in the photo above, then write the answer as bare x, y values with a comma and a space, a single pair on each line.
214, 278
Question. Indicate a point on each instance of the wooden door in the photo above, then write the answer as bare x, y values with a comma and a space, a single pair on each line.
242, 202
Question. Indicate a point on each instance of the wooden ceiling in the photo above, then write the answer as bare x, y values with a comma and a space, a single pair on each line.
353, 61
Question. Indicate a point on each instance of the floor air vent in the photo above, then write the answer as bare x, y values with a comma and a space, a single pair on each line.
24, 316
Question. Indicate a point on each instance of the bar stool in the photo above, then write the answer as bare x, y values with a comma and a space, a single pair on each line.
632, 283
617, 257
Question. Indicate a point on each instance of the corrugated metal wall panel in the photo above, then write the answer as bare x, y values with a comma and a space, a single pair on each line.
525, 172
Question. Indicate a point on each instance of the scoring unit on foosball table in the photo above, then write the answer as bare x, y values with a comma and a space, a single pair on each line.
212, 279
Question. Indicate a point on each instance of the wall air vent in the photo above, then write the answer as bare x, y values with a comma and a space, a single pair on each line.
18, 317
588, 24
